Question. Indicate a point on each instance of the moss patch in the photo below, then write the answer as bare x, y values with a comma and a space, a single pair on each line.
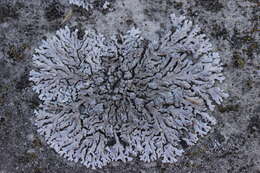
17, 52
238, 61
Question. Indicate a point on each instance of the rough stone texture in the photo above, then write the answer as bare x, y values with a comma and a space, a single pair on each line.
233, 27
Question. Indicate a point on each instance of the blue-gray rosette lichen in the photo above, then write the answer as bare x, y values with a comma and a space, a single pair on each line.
109, 99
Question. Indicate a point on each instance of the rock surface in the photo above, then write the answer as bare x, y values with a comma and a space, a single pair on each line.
233, 27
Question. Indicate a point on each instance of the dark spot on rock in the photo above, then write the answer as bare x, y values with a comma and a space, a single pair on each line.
184, 144
54, 11
238, 61
16, 52
210, 5
82, 109
254, 124
98, 4
218, 31
34, 102
23, 82
2, 120
228, 108
8, 11
129, 22
111, 142
37, 143
177, 5
81, 34
82, 12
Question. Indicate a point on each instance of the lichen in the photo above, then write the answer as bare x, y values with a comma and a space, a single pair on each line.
87, 4
110, 99
90, 4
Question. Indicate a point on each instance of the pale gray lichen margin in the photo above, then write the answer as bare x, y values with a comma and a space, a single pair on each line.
114, 99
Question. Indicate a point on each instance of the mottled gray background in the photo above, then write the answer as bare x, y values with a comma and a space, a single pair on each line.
233, 26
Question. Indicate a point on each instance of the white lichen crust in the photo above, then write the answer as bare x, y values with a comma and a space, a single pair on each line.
114, 99
87, 4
